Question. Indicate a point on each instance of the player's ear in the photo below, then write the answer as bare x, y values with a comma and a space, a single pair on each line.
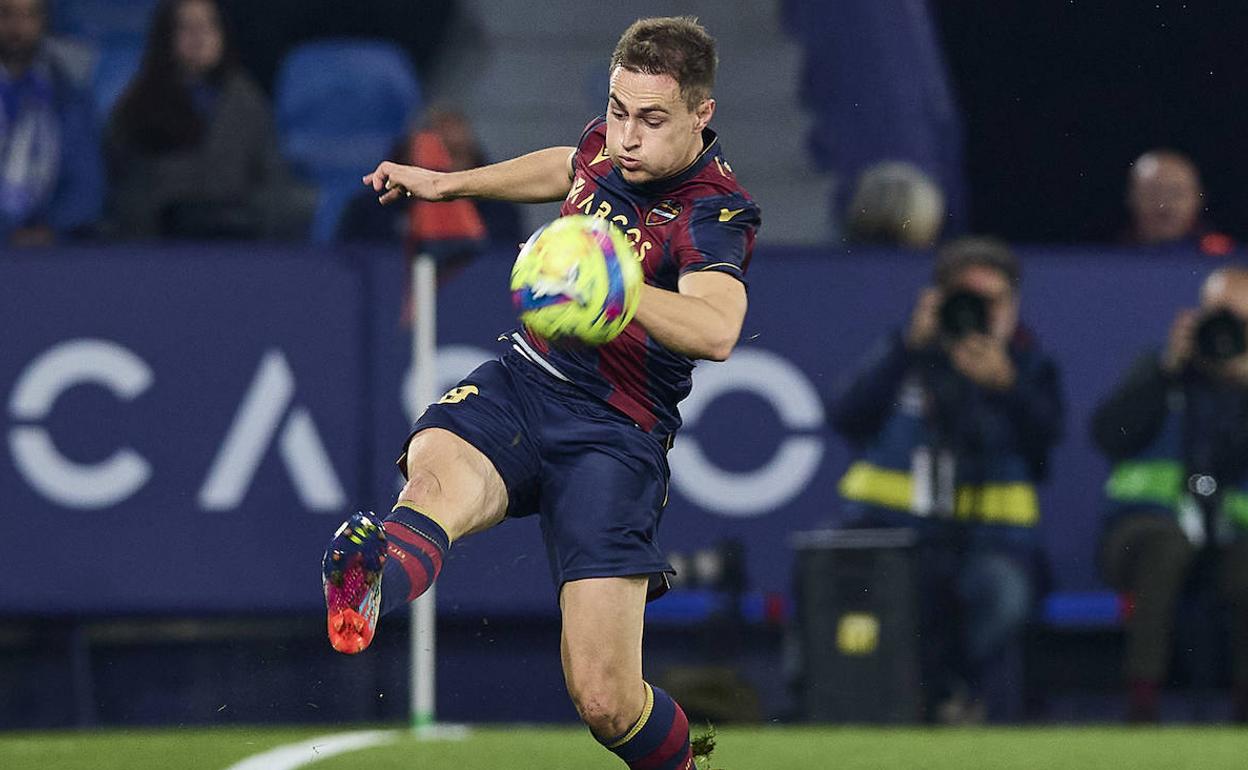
703, 114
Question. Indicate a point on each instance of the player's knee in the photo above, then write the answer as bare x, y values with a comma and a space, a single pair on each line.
422, 485
604, 709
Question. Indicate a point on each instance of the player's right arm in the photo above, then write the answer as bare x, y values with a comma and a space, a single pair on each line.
538, 177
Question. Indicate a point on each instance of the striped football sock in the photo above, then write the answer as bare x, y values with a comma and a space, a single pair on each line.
659, 740
416, 545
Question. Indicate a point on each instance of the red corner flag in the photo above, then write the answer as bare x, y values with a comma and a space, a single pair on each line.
449, 222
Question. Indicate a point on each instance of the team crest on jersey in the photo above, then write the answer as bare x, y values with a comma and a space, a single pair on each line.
663, 212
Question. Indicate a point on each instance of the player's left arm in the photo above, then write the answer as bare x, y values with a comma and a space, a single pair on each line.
702, 320
703, 317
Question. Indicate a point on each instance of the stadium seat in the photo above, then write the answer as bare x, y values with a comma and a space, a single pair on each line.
340, 106
116, 66
115, 21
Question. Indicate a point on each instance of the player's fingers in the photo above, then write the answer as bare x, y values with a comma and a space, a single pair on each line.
380, 177
403, 192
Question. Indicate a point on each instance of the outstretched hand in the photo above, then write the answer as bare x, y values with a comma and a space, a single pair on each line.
394, 181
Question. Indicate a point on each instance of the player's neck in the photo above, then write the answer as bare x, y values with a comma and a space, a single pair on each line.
695, 153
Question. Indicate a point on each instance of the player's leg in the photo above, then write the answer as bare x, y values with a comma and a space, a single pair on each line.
601, 651
600, 512
373, 566
466, 462
452, 490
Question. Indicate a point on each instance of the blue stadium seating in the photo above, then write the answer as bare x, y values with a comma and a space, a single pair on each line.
102, 21
340, 106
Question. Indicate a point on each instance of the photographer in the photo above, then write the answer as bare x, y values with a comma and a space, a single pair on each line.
951, 421
1176, 430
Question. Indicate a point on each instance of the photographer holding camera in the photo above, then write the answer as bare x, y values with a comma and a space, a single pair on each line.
952, 420
1176, 429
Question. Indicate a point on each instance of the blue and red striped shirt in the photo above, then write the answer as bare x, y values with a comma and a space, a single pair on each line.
698, 219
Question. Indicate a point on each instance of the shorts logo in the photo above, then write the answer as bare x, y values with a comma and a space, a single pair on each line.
663, 212
455, 395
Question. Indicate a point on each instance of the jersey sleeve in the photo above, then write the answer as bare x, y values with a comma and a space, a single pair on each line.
719, 235
593, 142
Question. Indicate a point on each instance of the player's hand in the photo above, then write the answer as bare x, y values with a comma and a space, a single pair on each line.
984, 360
1181, 343
924, 321
393, 181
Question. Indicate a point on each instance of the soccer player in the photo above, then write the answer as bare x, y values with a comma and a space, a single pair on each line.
580, 435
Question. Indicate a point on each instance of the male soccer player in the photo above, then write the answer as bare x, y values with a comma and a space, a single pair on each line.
580, 435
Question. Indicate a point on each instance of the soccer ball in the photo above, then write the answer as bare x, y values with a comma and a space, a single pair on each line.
576, 278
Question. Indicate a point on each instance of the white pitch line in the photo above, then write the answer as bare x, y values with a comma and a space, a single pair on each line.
312, 750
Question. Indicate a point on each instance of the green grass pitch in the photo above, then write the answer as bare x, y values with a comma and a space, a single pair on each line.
740, 748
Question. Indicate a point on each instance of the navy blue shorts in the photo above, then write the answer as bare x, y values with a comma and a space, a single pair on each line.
598, 482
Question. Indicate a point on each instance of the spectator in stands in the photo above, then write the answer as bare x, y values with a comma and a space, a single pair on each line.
1176, 429
51, 173
364, 220
895, 204
1165, 199
952, 419
191, 145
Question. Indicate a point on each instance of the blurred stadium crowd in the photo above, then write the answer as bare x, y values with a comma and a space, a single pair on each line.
139, 120
136, 120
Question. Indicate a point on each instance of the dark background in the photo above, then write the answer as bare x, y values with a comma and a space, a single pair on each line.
265, 31
1059, 97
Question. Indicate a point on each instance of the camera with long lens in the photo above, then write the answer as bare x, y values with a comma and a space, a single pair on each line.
963, 312
1220, 336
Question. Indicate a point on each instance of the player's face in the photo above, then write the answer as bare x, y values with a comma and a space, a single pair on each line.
651, 132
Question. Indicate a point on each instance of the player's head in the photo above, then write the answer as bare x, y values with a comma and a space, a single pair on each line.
1164, 195
989, 268
662, 73
22, 25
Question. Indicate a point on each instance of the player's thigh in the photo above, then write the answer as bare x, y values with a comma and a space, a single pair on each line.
601, 507
601, 639
453, 482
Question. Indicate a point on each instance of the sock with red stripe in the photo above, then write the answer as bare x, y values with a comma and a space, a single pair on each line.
660, 738
415, 545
